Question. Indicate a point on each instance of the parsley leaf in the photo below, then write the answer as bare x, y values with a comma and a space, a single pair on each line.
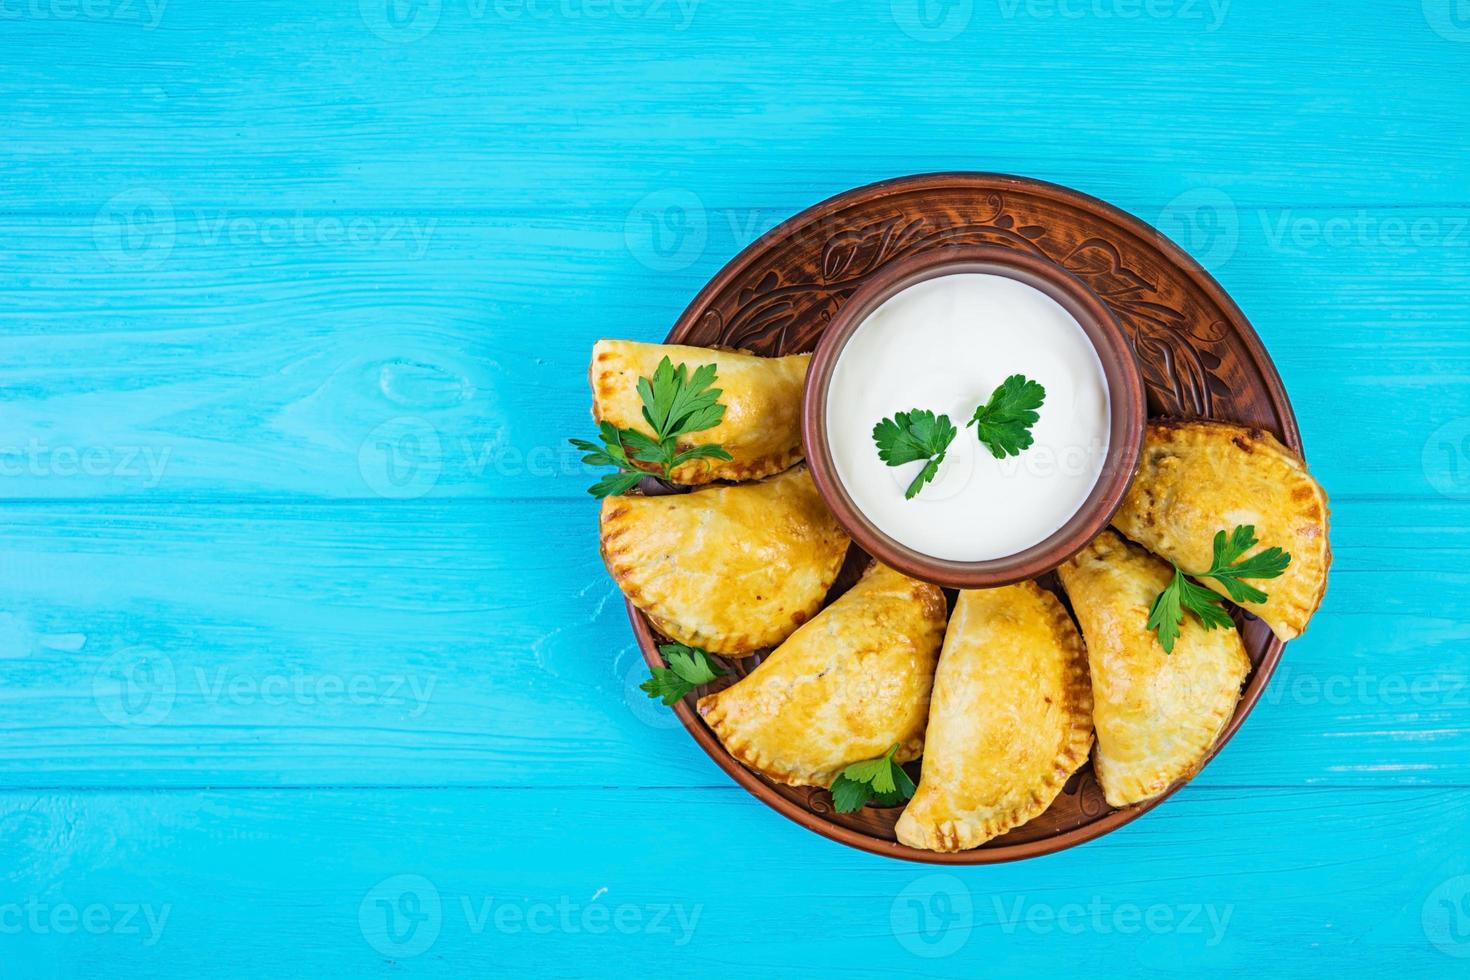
675, 403
699, 452
1269, 563
879, 780
612, 452
615, 484
1182, 595
912, 436
688, 668
849, 795
1166, 616
1004, 423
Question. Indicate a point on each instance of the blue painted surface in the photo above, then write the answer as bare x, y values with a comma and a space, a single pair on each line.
310, 665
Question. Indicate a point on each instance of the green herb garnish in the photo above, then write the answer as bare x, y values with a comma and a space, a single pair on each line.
612, 452
1004, 423
1167, 613
675, 403
912, 436
688, 668
879, 780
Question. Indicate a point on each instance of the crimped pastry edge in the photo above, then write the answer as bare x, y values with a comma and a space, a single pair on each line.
700, 471
1262, 438
738, 645
713, 709
948, 836
1121, 792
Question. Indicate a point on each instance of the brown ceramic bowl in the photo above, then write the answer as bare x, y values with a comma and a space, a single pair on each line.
1128, 414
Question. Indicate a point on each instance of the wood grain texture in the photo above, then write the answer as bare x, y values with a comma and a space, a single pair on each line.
1218, 880
285, 368
515, 105
295, 307
440, 642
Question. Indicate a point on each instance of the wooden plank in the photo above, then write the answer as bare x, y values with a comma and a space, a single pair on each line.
267, 355
289, 884
245, 259
439, 642
511, 105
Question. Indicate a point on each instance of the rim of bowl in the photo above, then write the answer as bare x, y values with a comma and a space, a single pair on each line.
1127, 413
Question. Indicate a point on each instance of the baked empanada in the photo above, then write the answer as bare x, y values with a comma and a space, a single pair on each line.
761, 428
1010, 720
731, 569
847, 686
1199, 477
1157, 714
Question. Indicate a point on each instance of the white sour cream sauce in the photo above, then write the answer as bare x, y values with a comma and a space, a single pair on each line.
945, 345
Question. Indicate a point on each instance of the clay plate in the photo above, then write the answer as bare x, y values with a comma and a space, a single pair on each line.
1196, 351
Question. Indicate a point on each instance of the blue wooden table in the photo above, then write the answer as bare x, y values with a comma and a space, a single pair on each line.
310, 665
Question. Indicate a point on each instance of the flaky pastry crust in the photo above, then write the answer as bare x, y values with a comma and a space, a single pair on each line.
847, 686
732, 569
1157, 714
761, 428
1198, 477
1010, 720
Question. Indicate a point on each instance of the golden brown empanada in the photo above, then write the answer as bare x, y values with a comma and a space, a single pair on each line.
1199, 477
1010, 721
847, 686
761, 428
731, 569
1157, 714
